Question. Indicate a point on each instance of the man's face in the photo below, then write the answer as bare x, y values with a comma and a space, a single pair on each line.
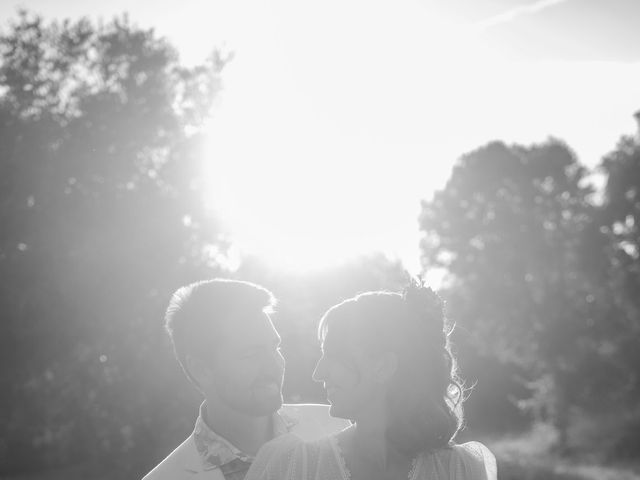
248, 368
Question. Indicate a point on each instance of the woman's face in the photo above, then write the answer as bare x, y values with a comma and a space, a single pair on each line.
347, 374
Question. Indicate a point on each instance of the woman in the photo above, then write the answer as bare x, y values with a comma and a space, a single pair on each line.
387, 366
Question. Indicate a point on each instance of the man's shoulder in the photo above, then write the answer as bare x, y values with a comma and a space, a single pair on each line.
177, 464
313, 420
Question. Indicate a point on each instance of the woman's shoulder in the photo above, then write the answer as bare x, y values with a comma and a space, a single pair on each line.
319, 448
291, 442
285, 442
273, 458
288, 457
465, 461
474, 451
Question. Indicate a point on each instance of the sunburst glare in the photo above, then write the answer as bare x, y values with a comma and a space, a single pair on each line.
329, 154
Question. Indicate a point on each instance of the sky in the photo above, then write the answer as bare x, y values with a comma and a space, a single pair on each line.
337, 117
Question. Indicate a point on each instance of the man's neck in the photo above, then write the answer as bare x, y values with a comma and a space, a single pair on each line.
245, 432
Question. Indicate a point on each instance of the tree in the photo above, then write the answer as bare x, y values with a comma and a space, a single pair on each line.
102, 218
515, 229
620, 220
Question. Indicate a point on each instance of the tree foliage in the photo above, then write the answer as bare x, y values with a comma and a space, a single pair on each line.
620, 220
102, 217
519, 234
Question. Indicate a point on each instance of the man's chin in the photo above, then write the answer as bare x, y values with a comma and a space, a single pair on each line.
267, 403
268, 406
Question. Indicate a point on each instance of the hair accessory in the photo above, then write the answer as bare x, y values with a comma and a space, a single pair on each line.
424, 301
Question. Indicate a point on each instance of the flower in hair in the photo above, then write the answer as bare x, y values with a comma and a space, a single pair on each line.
424, 302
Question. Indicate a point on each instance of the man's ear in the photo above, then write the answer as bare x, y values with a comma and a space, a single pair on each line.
198, 370
385, 367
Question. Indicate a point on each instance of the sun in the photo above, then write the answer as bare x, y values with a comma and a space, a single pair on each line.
322, 146
292, 206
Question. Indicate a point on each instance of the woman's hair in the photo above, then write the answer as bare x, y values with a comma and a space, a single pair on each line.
425, 394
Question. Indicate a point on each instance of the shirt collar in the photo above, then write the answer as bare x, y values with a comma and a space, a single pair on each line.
215, 451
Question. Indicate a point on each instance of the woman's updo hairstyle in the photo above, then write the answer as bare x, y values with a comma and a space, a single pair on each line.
425, 395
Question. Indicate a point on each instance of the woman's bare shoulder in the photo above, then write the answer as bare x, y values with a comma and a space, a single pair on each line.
466, 461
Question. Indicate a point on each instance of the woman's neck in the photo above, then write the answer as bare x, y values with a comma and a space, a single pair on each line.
369, 451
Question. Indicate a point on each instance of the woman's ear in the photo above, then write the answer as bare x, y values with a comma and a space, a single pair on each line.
198, 370
386, 366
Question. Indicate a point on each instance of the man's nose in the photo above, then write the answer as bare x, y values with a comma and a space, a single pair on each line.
275, 363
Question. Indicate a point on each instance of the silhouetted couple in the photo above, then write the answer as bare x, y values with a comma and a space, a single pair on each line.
390, 377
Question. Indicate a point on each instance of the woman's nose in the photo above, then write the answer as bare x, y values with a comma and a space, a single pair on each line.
319, 372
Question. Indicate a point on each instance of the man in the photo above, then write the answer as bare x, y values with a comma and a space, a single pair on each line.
227, 346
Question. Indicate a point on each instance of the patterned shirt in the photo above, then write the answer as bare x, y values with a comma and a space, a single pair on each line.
216, 452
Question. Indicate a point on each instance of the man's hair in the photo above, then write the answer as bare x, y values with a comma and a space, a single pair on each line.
196, 311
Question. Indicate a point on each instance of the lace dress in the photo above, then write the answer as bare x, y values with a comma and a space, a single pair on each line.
289, 458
